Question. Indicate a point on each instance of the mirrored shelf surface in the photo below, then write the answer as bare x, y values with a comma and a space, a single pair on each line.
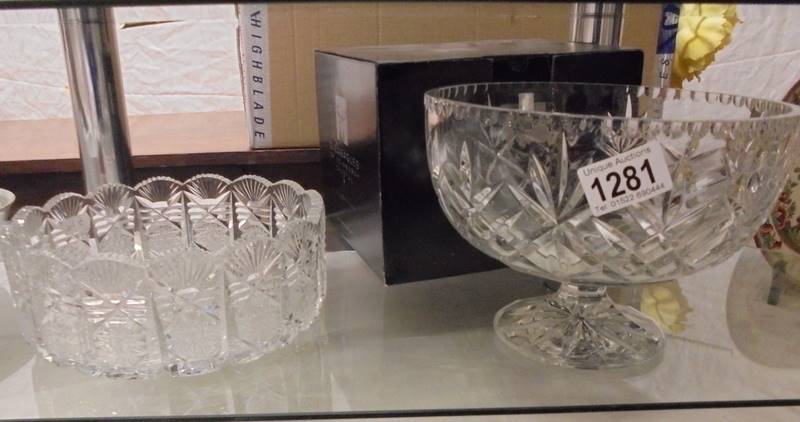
429, 347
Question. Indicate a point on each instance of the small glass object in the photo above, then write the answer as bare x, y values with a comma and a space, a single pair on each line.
506, 162
167, 276
6, 201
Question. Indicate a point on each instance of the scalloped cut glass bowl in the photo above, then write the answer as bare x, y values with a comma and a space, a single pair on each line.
167, 276
504, 158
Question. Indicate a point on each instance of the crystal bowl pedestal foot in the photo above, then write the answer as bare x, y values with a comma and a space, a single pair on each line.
579, 327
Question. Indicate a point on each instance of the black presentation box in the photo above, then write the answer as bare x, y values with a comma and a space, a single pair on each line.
378, 189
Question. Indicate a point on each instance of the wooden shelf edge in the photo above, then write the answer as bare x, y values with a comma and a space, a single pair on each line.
253, 157
157, 140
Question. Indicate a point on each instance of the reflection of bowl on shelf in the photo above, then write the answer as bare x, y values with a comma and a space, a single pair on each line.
507, 177
167, 276
295, 378
763, 312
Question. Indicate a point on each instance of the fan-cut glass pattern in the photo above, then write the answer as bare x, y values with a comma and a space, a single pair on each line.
506, 176
168, 276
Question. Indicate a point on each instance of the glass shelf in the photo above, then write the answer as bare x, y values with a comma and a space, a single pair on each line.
428, 348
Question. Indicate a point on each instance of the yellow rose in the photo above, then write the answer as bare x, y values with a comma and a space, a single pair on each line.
666, 304
703, 30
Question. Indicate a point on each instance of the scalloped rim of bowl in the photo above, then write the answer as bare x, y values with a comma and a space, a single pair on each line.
315, 210
792, 110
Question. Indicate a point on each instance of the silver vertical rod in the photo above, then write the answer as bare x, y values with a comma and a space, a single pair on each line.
98, 100
616, 24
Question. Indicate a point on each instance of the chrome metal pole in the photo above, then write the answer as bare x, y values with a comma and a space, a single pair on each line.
98, 99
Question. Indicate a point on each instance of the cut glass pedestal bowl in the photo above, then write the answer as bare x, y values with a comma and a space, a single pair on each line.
167, 276
504, 160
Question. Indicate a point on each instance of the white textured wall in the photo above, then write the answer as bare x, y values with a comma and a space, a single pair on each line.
186, 66
191, 65
764, 57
